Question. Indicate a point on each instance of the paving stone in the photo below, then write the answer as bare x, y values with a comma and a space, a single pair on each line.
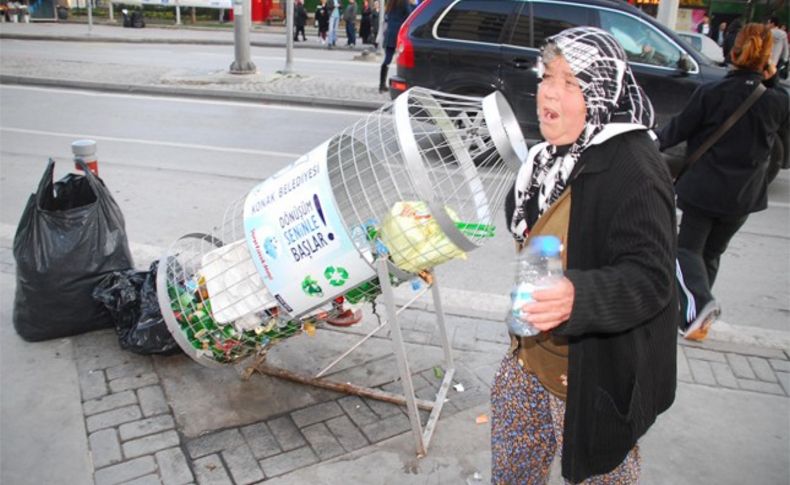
386, 428
415, 336
486, 373
724, 375
684, 373
286, 433
348, 435
152, 401
323, 441
495, 332
784, 380
761, 386
210, 471
316, 413
260, 440
214, 442
383, 409
780, 365
134, 382
740, 366
702, 372
102, 351
734, 348
288, 461
358, 410
92, 384
702, 354
396, 387
136, 429
242, 465
105, 448
150, 444
108, 402
113, 418
146, 480
129, 369
763, 369
464, 337
123, 472
173, 467
469, 398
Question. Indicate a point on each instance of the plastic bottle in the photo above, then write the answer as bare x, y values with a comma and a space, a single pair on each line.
538, 266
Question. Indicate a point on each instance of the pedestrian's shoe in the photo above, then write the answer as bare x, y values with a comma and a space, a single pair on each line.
698, 329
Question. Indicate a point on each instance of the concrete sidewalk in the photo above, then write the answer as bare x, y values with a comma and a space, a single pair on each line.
294, 88
86, 409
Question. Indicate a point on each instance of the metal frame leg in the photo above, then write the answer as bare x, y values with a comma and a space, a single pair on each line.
400, 354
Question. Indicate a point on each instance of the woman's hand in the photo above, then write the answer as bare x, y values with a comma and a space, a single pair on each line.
552, 306
769, 71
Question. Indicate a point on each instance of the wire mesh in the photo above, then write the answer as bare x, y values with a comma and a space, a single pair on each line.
417, 182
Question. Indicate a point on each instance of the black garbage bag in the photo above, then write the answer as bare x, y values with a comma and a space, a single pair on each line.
70, 236
130, 297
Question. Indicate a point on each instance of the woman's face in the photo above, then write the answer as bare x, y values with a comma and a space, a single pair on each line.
561, 108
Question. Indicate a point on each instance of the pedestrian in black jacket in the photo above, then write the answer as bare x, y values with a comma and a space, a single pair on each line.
322, 19
300, 19
728, 182
729, 38
603, 367
364, 23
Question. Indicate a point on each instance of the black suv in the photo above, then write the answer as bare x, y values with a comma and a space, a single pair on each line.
476, 46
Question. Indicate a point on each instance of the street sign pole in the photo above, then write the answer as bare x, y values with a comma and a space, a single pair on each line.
289, 36
380, 34
241, 38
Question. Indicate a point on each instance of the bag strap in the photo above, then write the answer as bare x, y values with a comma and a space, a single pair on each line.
728, 123
45, 183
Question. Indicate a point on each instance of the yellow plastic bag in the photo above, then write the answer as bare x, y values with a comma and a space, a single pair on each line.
414, 239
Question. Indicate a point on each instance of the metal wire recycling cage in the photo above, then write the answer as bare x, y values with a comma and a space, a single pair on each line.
417, 182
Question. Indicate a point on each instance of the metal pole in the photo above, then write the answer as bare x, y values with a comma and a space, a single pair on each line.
112, 15
178, 13
400, 355
241, 38
90, 15
289, 36
668, 13
380, 35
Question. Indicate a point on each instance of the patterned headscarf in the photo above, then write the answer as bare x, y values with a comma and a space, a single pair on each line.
615, 104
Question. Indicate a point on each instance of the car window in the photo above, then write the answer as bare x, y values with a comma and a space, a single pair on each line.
475, 20
695, 42
551, 18
642, 43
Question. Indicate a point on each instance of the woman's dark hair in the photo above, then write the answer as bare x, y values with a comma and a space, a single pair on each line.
396, 5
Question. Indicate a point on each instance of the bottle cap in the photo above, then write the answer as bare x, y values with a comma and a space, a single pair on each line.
546, 245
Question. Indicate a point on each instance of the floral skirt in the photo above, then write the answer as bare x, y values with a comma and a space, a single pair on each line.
526, 432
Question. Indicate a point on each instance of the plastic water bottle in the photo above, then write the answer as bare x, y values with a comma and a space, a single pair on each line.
539, 266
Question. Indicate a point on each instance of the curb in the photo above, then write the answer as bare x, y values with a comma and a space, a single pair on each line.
219, 94
121, 40
475, 305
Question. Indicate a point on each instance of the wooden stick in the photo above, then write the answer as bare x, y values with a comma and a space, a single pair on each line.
344, 387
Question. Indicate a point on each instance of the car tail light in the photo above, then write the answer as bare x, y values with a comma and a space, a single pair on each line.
404, 46
398, 85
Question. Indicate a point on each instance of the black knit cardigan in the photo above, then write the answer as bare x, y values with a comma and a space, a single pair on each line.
623, 326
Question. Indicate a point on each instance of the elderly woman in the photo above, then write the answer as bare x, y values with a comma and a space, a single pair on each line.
603, 367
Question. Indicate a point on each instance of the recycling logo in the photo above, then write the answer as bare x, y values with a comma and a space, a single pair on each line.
336, 275
311, 287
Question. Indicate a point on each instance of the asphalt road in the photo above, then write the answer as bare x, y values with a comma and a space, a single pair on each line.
175, 165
